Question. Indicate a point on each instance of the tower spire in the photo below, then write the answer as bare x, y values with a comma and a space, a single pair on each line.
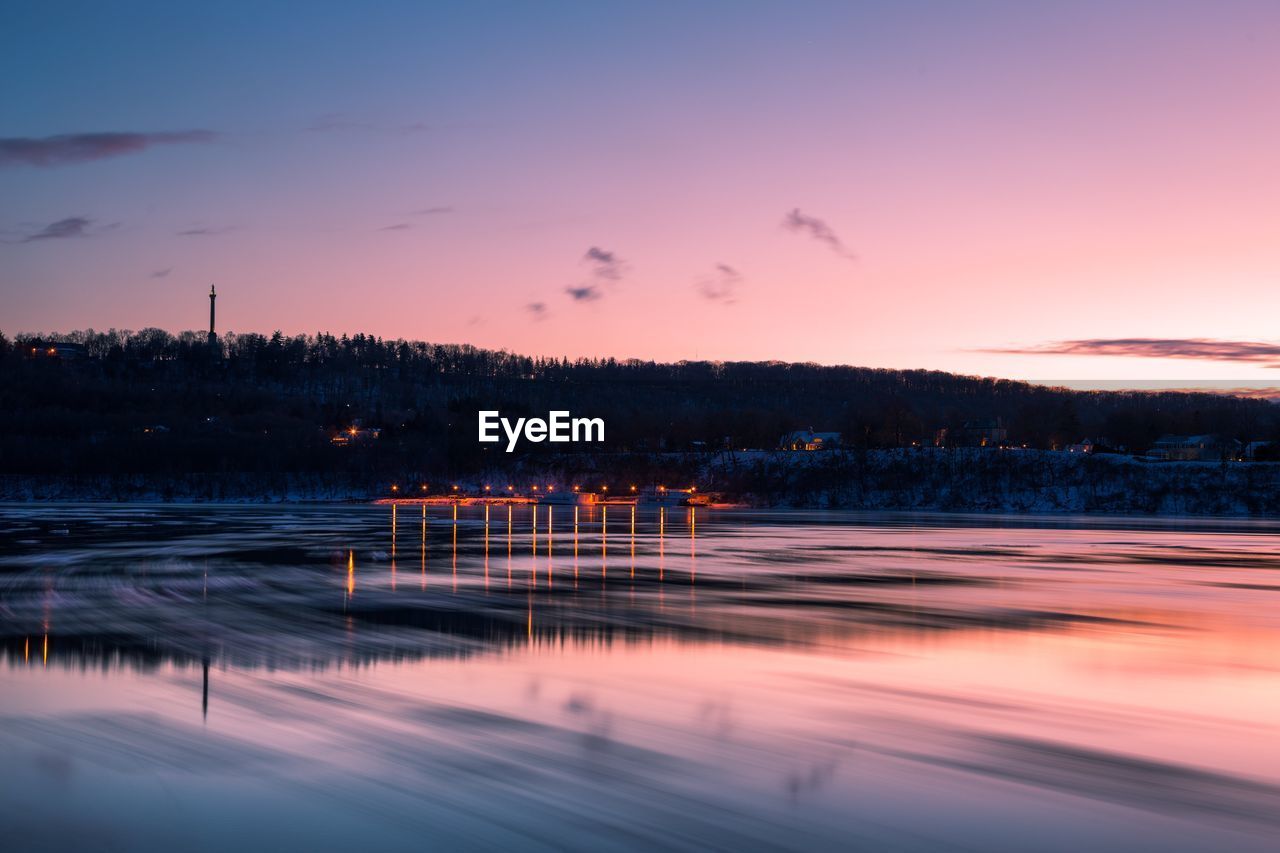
213, 335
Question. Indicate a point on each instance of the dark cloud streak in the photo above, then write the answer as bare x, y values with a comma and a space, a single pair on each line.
85, 147
1203, 349
584, 293
606, 268
202, 232
606, 265
72, 226
721, 285
815, 228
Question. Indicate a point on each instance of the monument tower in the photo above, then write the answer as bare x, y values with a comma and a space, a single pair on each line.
213, 296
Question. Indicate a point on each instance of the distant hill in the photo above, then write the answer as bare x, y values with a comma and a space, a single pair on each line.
153, 403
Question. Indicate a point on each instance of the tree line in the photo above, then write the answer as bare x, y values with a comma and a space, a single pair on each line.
152, 402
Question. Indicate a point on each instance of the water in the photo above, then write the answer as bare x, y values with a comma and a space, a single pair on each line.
362, 677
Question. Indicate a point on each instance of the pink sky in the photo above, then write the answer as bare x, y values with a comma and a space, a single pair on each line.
1007, 178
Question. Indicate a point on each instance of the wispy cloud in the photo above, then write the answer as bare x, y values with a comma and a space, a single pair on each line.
585, 292
72, 226
426, 211
537, 309
817, 229
203, 231
606, 265
84, 147
1204, 349
332, 122
606, 268
721, 285
1252, 392
162, 273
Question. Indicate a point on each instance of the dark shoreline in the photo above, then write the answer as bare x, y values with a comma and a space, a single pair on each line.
979, 481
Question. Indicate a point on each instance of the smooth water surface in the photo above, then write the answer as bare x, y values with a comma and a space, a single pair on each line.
379, 678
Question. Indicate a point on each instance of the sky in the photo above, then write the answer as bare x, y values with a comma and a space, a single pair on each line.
1069, 190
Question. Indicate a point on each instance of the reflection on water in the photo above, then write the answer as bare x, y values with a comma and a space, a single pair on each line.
187, 677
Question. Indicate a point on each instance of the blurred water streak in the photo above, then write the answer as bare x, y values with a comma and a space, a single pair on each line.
382, 677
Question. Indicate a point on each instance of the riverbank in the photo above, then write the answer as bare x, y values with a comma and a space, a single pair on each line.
955, 480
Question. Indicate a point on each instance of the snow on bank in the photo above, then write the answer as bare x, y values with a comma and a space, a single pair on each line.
957, 480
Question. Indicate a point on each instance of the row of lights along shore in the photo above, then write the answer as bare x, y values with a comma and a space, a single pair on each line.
395, 487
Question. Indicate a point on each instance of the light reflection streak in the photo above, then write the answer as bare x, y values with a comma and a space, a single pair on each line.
662, 535
693, 560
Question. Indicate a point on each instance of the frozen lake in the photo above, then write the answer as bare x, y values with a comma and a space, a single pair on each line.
378, 678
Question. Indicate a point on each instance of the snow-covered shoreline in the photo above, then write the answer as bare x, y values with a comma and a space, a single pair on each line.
972, 480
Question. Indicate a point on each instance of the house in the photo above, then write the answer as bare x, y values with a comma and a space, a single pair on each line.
1085, 446
1259, 450
807, 439
61, 350
1194, 448
988, 432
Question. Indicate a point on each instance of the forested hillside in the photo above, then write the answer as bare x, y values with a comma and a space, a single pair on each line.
158, 404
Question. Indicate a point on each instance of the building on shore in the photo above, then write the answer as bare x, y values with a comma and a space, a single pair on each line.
1194, 448
55, 351
807, 439
1256, 450
987, 432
